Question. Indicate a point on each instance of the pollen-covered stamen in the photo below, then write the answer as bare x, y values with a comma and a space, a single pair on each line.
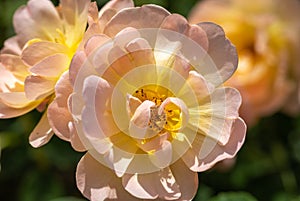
154, 93
157, 121
166, 119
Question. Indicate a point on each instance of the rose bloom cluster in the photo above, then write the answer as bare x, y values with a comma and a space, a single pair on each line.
138, 89
267, 36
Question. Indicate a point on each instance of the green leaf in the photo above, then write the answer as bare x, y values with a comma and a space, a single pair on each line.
234, 196
67, 199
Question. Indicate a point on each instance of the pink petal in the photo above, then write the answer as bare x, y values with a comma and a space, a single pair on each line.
75, 15
156, 143
132, 104
116, 5
7, 112
179, 24
196, 89
224, 105
121, 154
8, 82
149, 16
105, 18
58, 112
75, 12
97, 119
182, 66
98, 183
11, 46
15, 99
162, 157
76, 142
40, 50
138, 126
186, 179
120, 64
78, 60
37, 87
205, 152
15, 65
92, 13
110, 9
222, 52
161, 184
39, 19
141, 52
51, 66
94, 42
42, 133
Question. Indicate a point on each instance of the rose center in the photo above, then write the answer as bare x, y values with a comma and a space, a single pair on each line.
168, 119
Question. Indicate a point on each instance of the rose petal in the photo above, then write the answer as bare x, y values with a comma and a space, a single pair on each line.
37, 51
97, 118
218, 113
16, 100
132, 104
42, 133
92, 13
222, 52
116, 5
121, 154
7, 112
179, 24
160, 184
184, 113
197, 87
58, 113
148, 16
15, 65
51, 66
120, 64
39, 19
8, 82
156, 143
75, 12
75, 15
37, 87
78, 60
138, 126
97, 182
76, 142
162, 158
105, 18
186, 179
141, 52
12, 46
205, 152
94, 42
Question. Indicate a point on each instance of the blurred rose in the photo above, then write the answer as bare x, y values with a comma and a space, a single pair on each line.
147, 103
32, 61
266, 34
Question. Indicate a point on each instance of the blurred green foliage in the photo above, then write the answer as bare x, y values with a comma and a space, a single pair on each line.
267, 168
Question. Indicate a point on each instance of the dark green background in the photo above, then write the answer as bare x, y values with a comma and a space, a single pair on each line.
267, 167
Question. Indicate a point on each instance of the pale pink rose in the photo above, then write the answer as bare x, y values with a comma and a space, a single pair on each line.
32, 61
267, 36
147, 104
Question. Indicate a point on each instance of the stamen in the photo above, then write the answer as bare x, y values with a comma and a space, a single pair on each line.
157, 121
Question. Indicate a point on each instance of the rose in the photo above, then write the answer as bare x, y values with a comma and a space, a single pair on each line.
148, 105
267, 38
